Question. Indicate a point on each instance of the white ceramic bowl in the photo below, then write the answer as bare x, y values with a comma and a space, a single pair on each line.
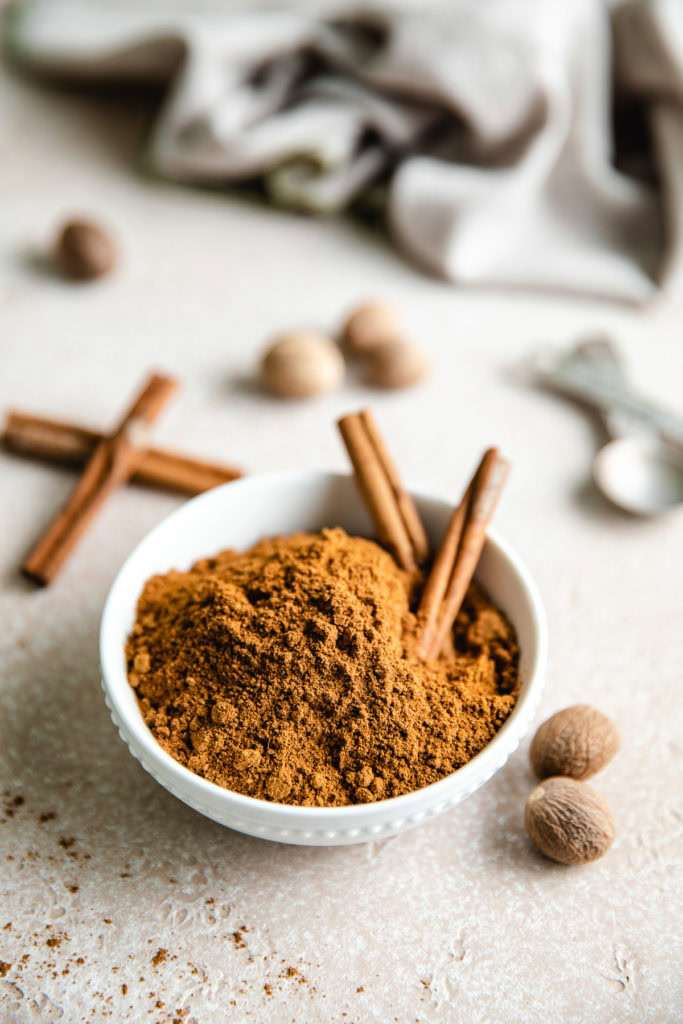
237, 515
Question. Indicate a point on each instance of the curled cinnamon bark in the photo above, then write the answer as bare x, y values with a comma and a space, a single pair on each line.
389, 505
67, 443
459, 554
110, 465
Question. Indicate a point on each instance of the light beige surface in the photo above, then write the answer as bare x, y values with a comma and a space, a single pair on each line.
458, 921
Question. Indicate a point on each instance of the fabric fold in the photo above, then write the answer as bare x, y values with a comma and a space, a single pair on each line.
487, 126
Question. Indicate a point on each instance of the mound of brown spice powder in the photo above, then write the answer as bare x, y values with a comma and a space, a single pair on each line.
281, 673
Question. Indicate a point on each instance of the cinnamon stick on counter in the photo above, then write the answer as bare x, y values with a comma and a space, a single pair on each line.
389, 505
56, 441
110, 464
459, 554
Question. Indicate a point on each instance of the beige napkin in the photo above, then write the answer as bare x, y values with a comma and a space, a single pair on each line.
485, 125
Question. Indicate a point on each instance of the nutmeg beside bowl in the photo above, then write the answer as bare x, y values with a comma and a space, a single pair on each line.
569, 821
576, 742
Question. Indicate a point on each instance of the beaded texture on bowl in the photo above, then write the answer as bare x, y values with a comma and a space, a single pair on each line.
321, 837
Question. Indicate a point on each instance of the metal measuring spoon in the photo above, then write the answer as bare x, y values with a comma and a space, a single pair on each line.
641, 468
634, 470
641, 475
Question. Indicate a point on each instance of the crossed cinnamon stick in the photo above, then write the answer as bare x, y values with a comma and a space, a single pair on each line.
72, 445
110, 460
399, 527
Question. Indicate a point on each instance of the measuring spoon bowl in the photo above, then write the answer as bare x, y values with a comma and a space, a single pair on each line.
640, 475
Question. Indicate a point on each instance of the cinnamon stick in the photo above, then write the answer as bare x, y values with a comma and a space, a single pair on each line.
67, 443
439, 577
459, 554
111, 464
406, 506
390, 507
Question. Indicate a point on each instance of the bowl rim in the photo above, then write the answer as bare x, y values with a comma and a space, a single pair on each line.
432, 793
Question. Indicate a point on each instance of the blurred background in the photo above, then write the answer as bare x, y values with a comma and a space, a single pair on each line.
505, 176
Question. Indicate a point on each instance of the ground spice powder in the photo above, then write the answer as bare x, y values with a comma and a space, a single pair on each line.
282, 673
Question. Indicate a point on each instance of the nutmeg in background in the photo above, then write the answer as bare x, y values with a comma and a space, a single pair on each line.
84, 250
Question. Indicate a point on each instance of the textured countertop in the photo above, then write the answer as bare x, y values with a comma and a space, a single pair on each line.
116, 901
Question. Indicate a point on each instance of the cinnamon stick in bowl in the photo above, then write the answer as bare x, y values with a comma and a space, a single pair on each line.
399, 527
389, 504
458, 555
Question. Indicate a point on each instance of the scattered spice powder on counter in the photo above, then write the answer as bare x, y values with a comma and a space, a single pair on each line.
282, 673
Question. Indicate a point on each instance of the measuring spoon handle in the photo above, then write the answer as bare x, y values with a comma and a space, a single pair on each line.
610, 396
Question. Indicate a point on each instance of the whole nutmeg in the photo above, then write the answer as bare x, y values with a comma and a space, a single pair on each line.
569, 821
302, 364
370, 326
576, 742
84, 250
397, 364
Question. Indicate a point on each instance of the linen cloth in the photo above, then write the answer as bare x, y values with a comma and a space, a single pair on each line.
486, 126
